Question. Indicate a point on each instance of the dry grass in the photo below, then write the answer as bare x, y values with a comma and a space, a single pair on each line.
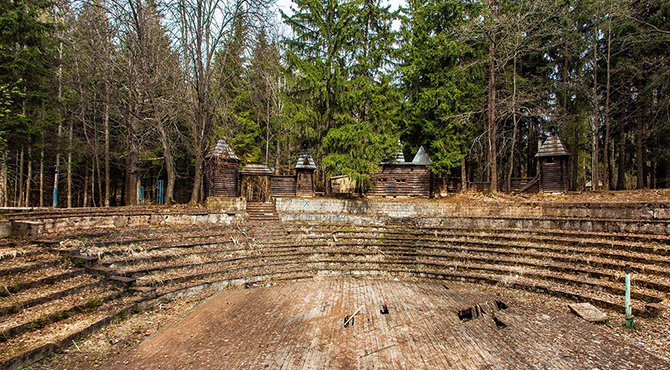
100, 347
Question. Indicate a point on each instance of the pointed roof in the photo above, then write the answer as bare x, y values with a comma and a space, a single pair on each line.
421, 158
256, 169
400, 157
305, 161
222, 151
552, 147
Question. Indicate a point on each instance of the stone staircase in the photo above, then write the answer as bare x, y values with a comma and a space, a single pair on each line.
262, 212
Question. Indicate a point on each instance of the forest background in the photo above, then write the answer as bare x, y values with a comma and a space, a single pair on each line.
101, 97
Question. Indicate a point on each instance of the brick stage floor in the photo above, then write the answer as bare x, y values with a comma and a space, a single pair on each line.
299, 325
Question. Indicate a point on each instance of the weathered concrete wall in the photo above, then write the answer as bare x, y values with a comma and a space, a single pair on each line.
237, 204
5, 229
657, 211
34, 227
644, 218
110, 221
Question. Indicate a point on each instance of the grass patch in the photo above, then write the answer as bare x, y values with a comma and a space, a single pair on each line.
93, 303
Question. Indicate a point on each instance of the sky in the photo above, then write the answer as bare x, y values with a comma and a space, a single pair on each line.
285, 5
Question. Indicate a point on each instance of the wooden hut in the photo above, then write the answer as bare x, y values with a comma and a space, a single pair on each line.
404, 179
222, 167
304, 172
255, 180
553, 176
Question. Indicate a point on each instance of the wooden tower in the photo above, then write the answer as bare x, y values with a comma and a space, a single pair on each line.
304, 175
222, 171
553, 166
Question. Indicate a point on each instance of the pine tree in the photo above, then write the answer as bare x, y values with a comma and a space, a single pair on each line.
441, 84
27, 65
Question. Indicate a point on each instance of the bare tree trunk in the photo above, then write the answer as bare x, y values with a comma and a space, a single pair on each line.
19, 199
595, 179
464, 177
639, 153
133, 163
42, 177
3, 177
60, 124
16, 180
514, 130
105, 121
100, 193
621, 177
267, 132
29, 176
85, 201
278, 151
199, 163
169, 164
492, 117
93, 204
608, 180
69, 167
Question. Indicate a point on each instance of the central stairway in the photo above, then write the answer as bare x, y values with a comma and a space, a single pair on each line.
262, 212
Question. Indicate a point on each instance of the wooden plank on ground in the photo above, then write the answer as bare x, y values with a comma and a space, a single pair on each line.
588, 312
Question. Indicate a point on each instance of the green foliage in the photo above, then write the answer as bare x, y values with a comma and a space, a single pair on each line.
93, 303
27, 65
441, 83
345, 104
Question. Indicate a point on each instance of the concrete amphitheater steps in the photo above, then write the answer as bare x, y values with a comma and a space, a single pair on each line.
47, 292
131, 249
654, 245
222, 233
262, 212
10, 285
610, 280
286, 270
136, 234
640, 263
559, 282
655, 263
29, 347
657, 253
281, 250
53, 311
412, 227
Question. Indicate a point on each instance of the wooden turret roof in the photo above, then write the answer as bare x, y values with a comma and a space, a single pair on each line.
552, 147
222, 151
421, 158
256, 169
305, 161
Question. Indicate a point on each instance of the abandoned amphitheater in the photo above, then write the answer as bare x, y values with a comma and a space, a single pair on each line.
336, 283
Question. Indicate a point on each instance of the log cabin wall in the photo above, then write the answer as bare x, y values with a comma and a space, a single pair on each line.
282, 186
222, 178
304, 183
222, 171
402, 180
554, 174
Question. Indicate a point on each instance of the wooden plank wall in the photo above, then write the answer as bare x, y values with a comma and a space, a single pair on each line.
554, 176
282, 185
304, 184
222, 178
519, 183
402, 181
